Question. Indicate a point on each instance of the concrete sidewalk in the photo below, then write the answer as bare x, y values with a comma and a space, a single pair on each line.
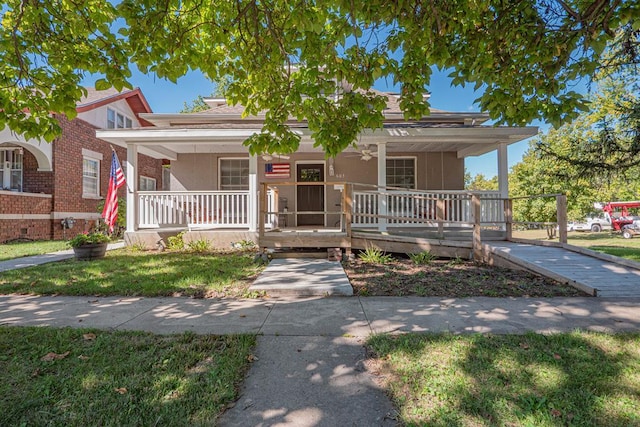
325, 317
310, 356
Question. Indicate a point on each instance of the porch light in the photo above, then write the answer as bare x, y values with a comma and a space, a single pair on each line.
267, 157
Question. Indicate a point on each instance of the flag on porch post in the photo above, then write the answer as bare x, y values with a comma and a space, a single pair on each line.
116, 180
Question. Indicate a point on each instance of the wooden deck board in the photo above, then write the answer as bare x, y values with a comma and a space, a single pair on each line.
610, 279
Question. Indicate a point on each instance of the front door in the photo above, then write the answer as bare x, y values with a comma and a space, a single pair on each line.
310, 198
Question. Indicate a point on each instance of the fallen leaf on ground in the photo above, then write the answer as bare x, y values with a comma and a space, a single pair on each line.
556, 413
54, 356
83, 357
121, 390
524, 345
89, 337
252, 358
557, 356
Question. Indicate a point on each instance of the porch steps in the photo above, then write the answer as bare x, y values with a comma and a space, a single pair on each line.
284, 254
303, 277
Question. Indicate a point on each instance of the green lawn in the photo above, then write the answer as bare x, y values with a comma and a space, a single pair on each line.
21, 249
129, 273
581, 379
75, 377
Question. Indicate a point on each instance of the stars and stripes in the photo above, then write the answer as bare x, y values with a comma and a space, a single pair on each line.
116, 180
277, 170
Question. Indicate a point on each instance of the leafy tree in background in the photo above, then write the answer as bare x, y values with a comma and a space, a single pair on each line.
558, 161
198, 104
480, 182
283, 57
195, 106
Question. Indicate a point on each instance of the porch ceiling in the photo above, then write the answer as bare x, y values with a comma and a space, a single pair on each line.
464, 140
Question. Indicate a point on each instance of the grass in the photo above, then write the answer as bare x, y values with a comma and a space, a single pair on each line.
128, 273
22, 249
117, 378
526, 380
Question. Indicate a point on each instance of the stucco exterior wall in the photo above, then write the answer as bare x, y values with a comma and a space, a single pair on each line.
434, 171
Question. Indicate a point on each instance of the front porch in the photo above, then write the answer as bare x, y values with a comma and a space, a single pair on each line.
449, 223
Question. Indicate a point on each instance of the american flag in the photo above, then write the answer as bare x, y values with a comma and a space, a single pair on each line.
116, 180
276, 170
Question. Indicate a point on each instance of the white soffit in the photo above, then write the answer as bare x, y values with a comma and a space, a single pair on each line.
466, 141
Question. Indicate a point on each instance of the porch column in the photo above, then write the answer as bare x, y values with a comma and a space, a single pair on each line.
503, 171
253, 193
382, 184
132, 187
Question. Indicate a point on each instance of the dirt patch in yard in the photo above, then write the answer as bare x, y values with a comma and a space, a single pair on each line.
450, 278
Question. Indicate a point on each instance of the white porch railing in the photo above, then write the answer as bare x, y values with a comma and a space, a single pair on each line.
230, 209
412, 208
195, 209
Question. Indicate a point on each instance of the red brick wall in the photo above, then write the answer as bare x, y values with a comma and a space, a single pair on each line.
65, 185
32, 180
15, 204
67, 164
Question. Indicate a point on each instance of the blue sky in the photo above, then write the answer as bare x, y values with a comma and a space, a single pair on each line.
166, 97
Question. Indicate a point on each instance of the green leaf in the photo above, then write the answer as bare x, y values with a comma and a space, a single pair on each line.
102, 84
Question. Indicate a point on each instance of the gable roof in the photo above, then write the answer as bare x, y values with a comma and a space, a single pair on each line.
222, 112
98, 98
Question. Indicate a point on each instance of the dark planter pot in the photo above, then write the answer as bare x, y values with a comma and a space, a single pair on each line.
91, 251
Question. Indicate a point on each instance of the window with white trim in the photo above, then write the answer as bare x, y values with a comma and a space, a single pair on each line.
111, 119
401, 172
147, 184
11, 165
90, 177
234, 174
116, 120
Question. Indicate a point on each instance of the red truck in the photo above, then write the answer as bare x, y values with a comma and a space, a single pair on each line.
618, 213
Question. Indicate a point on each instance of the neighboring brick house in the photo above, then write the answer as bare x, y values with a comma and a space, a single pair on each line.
41, 184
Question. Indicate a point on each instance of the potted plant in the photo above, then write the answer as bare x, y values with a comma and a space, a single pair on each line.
88, 246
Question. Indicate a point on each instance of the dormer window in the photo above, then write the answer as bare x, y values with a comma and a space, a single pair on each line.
116, 120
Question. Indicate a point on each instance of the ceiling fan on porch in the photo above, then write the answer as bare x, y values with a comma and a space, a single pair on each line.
366, 153
268, 157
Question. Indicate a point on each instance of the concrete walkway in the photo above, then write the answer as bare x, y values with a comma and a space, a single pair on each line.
303, 277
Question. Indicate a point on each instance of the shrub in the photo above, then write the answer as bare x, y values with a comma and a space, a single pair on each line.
373, 255
422, 258
121, 220
176, 243
199, 246
88, 239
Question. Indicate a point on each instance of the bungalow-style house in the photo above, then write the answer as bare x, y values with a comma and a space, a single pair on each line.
52, 190
407, 177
